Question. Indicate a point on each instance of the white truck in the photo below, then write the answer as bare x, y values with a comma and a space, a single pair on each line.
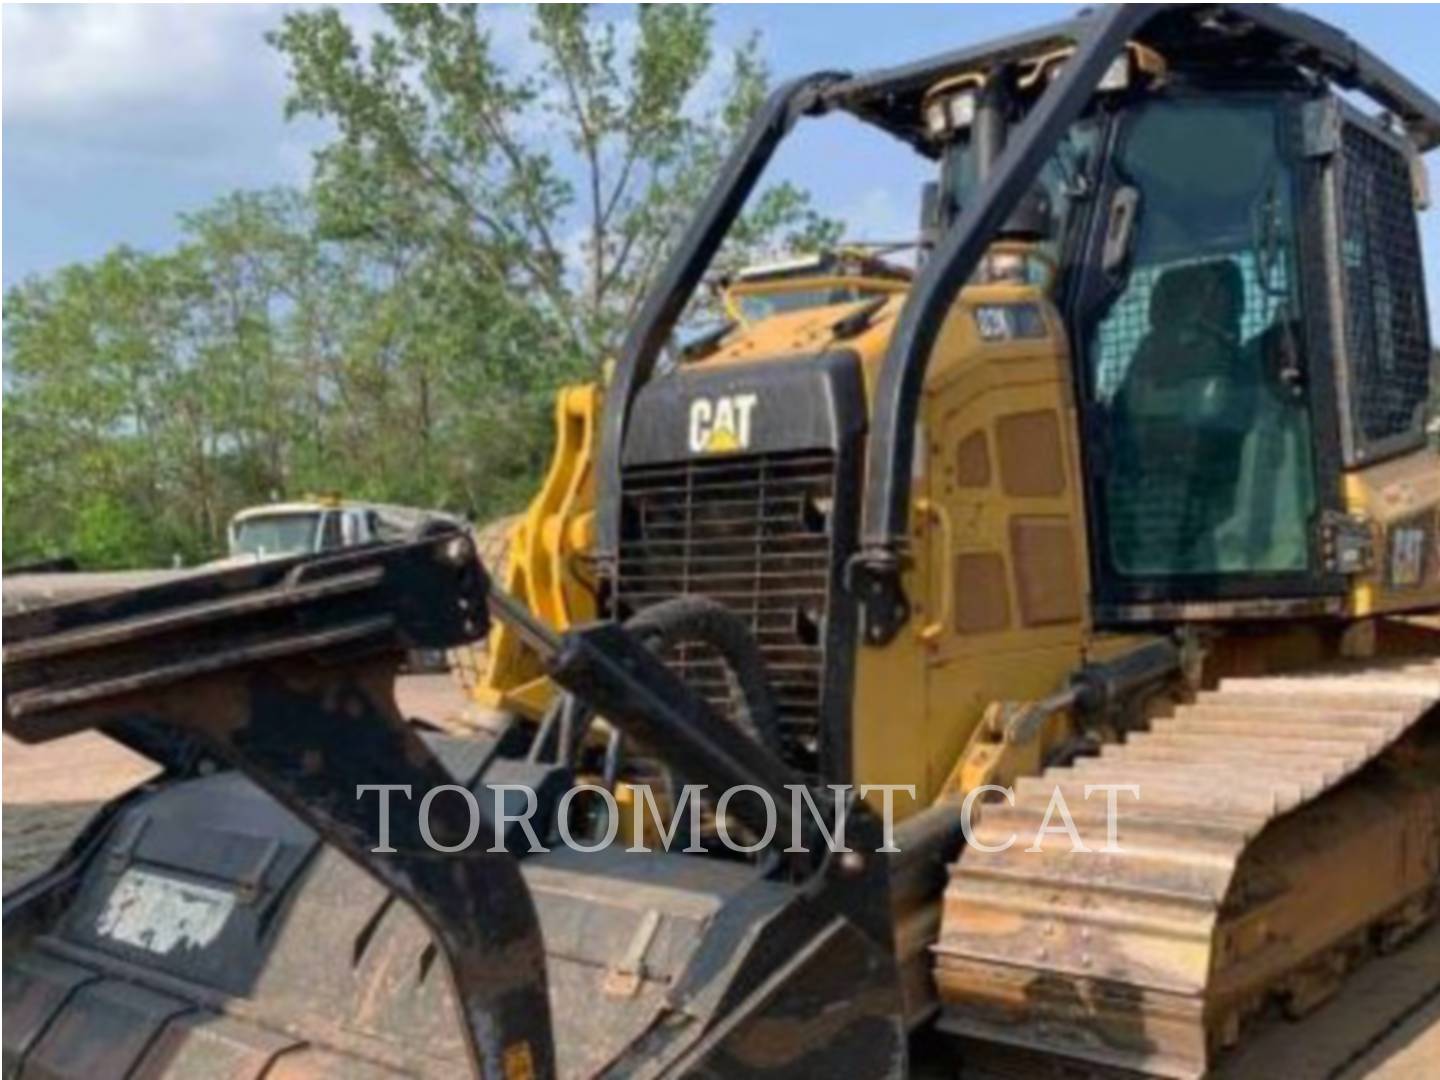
319, 524
325, 523
271, 531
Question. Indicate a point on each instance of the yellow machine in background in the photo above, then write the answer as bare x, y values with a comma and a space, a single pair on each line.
825, 279
543, 560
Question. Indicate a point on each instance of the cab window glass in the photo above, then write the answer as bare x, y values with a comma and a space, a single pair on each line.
1195, 365
270, 535
761, 305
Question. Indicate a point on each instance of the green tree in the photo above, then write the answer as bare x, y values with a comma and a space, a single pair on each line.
560, 186
91, 356
477, 233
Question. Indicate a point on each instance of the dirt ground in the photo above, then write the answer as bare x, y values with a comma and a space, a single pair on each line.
1384, 1025
50, 791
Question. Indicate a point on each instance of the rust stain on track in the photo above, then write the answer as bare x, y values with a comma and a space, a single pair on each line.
1286, 827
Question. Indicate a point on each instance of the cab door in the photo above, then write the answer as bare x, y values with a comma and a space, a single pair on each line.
1208, 426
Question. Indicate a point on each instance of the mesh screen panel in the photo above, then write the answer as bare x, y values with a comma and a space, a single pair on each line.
1189, 502
754, 533
1128, 321
1386, 332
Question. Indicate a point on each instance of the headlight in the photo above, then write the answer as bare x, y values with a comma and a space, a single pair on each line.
962, 110
935, 119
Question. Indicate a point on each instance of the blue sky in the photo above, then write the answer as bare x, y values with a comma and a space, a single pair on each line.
116, 118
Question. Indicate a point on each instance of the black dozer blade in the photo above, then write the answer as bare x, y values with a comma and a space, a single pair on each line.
233, 917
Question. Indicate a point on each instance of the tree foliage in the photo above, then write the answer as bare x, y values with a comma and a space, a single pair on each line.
481, 228
564, 180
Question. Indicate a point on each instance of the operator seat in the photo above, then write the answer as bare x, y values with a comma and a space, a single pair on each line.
1180, 418
1194, 325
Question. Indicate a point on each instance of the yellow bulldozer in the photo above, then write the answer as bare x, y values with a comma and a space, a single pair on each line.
1087, 568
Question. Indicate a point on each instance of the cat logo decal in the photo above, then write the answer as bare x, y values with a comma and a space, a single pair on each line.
721, 425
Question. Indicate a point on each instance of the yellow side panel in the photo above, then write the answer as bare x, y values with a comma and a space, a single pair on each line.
1002, 604
1401, 500
889, 737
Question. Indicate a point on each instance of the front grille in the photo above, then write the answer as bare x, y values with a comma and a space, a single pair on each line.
754, 533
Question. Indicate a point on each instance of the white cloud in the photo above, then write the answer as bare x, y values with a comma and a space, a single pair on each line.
65, 64
130, 90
